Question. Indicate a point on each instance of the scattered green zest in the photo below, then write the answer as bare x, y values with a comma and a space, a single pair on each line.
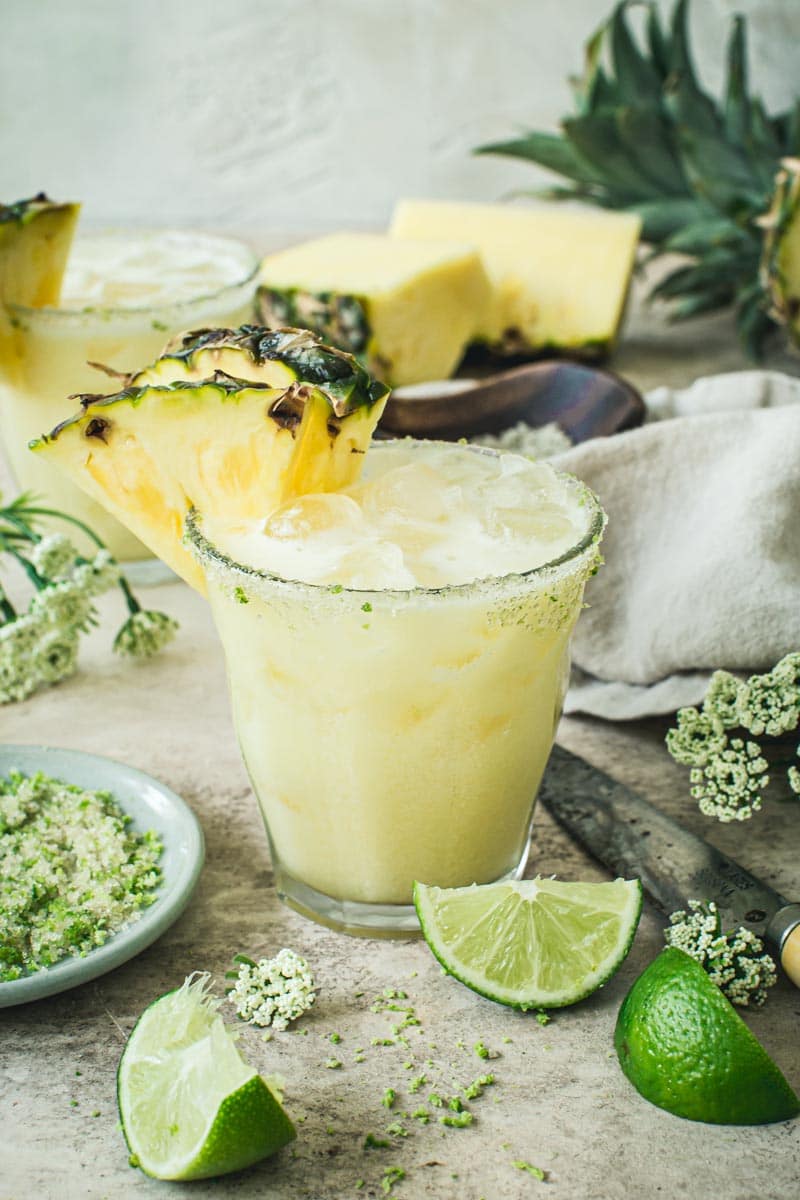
456, 1120
391, 1176
529, 1169
375, 1143
389, 1097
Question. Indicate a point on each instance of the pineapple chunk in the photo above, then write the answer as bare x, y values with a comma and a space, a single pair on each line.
559, 276
230, 447
406, 310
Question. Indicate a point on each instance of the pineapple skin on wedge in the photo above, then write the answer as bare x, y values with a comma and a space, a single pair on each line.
35, 239
230, 447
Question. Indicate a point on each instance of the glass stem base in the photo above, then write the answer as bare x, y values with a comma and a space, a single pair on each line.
357, 918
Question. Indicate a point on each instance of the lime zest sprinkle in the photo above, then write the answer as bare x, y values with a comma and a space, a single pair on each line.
391, 1176
457, 1120
397, 1130
74, 871
389, 1097
543, 1017
482, 1051
335, 1038
333, 1064
536, 1172
375, 1143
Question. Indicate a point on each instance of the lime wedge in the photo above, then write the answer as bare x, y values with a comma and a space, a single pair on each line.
685, 1048
190, 1106
531, 943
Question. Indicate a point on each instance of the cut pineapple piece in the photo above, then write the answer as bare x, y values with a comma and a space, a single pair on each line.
232, 448
35, 237
559, 276
407, 311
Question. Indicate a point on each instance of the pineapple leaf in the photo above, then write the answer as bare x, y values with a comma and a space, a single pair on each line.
549, 150
700, 302
643, 130
662, 218
712, 272
753, 323
789, 130
694, 107
597, 140
601, 93
697, 237
657, 41
634, 73
737, 101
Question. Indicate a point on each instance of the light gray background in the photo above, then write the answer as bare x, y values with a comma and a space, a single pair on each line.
262, 115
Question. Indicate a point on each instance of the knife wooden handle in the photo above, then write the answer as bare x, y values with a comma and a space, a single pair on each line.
790, 956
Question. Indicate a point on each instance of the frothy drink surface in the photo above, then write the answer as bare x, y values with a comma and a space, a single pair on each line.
422, 515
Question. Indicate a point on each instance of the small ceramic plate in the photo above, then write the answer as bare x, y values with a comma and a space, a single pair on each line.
151, 806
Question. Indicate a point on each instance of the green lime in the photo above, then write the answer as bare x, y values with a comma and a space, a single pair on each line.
685, 1048
531, 943
190, 1106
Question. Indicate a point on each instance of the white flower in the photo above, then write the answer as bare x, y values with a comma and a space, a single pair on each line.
145, 633
65, 603
53, 556
19, 673
273, 991
56, 655
99, 575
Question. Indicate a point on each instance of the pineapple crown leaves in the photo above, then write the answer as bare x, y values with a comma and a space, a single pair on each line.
646, 138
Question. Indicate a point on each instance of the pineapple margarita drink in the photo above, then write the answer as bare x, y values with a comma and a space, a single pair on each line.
397, 703
395, 615
122, 295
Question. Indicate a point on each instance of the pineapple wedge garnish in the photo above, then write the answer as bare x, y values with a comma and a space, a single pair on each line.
229, 422
35, 238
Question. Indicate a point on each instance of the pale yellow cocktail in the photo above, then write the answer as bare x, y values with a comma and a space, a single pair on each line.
398, 655
123, 295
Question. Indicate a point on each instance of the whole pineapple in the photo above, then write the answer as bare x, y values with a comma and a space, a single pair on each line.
718, 182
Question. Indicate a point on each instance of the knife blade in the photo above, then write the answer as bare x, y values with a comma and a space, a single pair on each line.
633, 837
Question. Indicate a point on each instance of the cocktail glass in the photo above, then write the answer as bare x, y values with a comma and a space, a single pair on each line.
51, 350
393, 736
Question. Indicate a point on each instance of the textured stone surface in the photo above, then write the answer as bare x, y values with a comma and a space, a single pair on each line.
560, 1102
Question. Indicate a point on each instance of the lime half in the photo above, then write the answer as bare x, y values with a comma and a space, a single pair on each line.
190, 1106
531, 943
685, 1048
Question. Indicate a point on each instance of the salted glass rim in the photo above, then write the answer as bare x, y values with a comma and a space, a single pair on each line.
206, 552
118, 312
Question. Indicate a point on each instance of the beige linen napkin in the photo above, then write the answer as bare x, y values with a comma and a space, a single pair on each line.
702, 549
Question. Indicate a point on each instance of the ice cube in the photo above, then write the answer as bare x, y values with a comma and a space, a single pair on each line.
412, 492
374, 564
315, 514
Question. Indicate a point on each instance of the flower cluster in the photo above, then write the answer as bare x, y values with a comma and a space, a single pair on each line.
735, 961
273, 991
729, 773
39, 646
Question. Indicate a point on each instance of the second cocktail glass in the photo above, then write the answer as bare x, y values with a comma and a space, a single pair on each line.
124, 294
